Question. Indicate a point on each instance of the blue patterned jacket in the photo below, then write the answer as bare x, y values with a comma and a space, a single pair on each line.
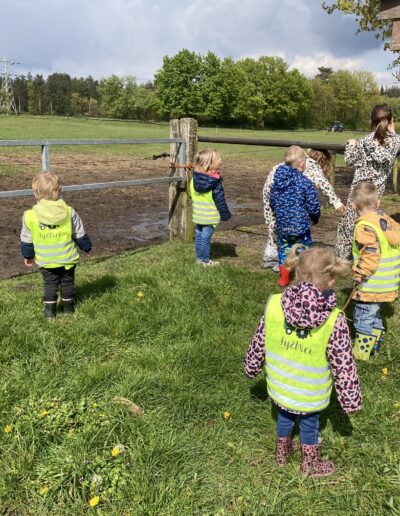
294, 201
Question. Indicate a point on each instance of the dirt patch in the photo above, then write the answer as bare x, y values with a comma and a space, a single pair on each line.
121, 219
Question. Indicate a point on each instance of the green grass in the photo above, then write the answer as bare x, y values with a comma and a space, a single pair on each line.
47, 127
177, 353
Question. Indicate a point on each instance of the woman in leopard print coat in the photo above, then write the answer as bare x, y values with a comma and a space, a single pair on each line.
372, 158
317, 163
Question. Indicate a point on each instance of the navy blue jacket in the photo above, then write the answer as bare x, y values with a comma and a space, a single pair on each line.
203, 183
294, 201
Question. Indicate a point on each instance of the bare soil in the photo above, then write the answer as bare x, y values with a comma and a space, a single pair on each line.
120, 219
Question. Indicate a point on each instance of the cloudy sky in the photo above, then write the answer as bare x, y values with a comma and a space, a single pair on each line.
101, 37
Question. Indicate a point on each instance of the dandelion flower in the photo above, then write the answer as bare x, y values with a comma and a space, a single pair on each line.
43, 490
97, 479
227, 415
396, 405
94, 501
385, 371
140, 294
120, 448
8, 429
44, 413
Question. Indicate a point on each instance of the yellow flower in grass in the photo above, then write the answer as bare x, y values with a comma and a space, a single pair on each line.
396, 405
44, 413
8, 429
120, 448
43, 490
227, 415
140, 295
94, 501
385, 371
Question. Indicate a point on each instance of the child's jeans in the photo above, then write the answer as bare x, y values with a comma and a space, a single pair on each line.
367, 316
309, 425
202, 241
58, 277
285, 244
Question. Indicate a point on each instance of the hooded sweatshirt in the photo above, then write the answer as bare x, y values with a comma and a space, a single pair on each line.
53, 213
367, 242
306, 307
294, 202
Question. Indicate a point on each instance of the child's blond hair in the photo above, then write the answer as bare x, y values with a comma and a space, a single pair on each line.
324, 159
206, 160
317, 265
365, 196
46, 186
294, 156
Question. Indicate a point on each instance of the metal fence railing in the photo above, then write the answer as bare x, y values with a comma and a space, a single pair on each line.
46, 163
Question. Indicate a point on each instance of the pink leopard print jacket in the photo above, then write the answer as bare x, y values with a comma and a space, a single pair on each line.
305, 306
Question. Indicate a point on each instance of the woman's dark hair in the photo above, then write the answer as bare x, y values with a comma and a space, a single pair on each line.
381, 116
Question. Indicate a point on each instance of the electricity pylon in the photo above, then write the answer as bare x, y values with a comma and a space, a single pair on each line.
7, 102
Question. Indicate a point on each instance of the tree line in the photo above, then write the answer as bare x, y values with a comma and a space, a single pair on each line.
256, 93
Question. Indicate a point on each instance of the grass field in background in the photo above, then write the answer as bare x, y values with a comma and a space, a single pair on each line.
48, 127
155, 329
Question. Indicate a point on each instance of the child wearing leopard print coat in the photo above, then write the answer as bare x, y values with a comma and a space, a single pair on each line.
372, 158
303, 341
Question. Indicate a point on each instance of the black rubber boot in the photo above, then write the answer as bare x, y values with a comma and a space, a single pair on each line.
50, 310
68, 306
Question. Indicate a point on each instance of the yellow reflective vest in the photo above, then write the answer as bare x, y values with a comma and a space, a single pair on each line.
298, 374
386, 277
54, 246
205, 211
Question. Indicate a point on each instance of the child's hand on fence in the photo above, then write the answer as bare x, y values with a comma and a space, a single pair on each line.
341, 209
29, 262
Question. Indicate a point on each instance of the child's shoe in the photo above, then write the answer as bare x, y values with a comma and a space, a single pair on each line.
363, 345
210, 263
50, 310
284, 448
311, 463
284, 276
379, 340
68, 306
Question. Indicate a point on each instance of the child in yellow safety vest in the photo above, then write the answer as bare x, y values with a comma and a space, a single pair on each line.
376, 269
208, 202
303, 341
51, 234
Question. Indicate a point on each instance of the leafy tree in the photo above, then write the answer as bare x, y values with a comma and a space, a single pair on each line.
38, 98
366, 14
177, 85
20, 91
117, 96
324, 73
59, 91
79, 104
347, 94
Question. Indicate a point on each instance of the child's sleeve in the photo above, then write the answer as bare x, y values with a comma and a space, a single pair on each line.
312, 205
219, 199
315, 174
343, 367
27, 248
268, 213
354, 154
370, 253
78, 233
255, 355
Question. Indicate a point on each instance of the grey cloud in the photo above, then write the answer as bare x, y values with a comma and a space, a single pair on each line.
131, 36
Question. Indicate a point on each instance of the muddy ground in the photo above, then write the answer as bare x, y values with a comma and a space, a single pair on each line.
121, 219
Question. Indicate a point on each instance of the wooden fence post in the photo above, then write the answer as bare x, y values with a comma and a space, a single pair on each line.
180, 205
